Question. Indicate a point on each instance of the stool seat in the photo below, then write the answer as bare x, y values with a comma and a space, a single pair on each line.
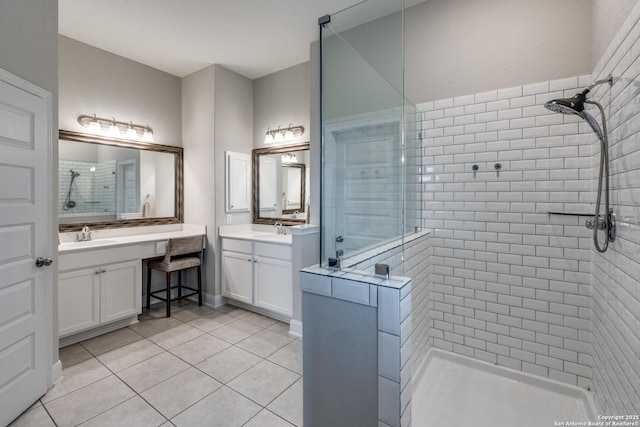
175, 264
182, 253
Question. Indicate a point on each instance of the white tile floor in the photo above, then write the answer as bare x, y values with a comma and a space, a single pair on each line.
200, 367
456, 391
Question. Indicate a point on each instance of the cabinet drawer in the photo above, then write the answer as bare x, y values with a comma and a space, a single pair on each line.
273, 251
88, 257
237, 245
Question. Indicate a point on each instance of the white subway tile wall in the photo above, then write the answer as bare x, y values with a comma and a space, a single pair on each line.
511, 283
615, 341
93, 191
415, 263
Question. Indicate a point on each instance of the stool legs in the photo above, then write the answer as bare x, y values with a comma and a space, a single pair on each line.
199, 286
168, 294
179, 283
148, 288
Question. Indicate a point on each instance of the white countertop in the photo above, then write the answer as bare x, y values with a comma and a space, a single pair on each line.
266, 233
111, 238
255, 235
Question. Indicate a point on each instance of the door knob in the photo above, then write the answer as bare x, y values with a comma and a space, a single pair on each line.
43, 262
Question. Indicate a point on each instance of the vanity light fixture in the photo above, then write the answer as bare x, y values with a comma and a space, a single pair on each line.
114, 127
283, 134
289, 158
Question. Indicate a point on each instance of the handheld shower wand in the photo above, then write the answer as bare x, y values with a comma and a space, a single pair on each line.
575, 106
68, 203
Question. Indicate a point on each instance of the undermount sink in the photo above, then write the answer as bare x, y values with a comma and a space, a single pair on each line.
99, 242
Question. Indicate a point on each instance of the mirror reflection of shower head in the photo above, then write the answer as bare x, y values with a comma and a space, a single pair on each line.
74, 174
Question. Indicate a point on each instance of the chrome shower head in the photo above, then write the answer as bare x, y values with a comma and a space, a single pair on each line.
74, 174
573, 105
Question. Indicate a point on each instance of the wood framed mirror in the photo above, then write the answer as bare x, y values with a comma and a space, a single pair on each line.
281, 184
114, 183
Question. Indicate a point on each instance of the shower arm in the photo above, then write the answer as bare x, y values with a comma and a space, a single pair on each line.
608, 79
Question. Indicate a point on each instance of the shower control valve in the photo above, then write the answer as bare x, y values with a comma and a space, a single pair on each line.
590, 224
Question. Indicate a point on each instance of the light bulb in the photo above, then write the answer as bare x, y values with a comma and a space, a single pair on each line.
131, 132
288, 135
279, 137
268, 138
94, 126
147, 136
113, 128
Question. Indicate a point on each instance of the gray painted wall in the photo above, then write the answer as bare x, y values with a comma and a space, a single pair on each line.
29, 49
198, 109
284, 97
279, 99
456, 47
217, 106
233, 132
96, 81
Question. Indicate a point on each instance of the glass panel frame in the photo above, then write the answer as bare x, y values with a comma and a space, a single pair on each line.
366, 205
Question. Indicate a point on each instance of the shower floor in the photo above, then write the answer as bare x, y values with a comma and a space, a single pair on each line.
453, 390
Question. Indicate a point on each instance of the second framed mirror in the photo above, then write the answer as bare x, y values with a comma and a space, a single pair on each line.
281, 184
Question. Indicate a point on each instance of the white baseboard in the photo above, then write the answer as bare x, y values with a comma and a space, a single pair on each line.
56, 372
295, 328
99, 330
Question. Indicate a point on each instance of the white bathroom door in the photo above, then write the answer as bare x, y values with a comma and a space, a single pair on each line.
25, 235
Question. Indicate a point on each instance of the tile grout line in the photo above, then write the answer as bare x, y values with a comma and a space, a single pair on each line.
190, 365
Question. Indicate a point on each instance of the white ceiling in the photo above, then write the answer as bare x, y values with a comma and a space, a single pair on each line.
251, 37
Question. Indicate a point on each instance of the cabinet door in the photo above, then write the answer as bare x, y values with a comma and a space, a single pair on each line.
273, 285
237, 276
238, 182
78, 300
121, 293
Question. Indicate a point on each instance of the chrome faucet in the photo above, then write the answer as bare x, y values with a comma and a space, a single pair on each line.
280, 229
84, 235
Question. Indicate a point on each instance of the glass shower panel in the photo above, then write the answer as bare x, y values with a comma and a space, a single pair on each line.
365, 123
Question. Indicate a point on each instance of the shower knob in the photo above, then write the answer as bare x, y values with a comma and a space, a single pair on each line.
498, 166
475, 167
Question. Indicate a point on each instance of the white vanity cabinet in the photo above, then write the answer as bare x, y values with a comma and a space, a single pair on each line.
97, 287
259, 274
237, 270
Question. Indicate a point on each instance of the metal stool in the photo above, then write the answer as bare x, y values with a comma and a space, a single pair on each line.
182, 253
